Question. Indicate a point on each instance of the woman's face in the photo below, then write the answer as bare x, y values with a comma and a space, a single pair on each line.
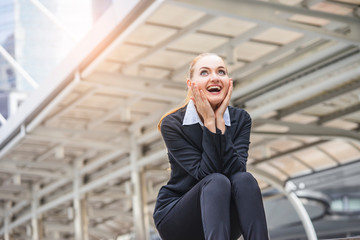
210, 75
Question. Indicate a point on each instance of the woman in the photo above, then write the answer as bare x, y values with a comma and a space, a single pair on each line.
209, 195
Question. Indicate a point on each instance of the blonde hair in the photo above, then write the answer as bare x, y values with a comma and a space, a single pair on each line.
190, 75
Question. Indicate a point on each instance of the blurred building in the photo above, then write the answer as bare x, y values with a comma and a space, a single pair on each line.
7, 28
38, 35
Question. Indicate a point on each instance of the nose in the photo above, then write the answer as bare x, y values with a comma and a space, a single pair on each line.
214, 77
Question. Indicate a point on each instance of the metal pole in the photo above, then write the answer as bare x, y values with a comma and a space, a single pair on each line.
288, 190
7, 220
35, 222
300, 210
145, 206
80, 220
138, 205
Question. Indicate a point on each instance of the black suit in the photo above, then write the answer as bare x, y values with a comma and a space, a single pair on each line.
196, 153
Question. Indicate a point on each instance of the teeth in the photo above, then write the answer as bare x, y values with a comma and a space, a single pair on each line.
214, 89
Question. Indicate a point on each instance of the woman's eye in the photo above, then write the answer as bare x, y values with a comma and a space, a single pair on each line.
222, 72
203, 73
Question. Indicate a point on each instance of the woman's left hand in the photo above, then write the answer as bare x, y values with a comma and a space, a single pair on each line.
219, 113
225, 103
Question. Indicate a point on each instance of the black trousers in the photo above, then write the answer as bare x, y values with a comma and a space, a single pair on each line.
218, 208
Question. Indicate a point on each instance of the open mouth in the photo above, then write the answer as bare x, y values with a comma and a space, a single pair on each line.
214, 88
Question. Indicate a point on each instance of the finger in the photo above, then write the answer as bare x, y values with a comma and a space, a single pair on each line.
194, 90
231, 86
228, 95
197, 94
203, 97
225, 103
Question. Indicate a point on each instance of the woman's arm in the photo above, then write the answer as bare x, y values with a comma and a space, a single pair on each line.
235, 144
195, 162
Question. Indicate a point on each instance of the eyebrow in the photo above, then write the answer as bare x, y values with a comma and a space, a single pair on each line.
209, 68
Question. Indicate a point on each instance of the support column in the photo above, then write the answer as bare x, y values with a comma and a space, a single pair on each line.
7, 220
79, 204
141, 230
144, 205
36, 230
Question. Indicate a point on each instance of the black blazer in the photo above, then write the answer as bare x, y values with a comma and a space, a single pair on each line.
195, 152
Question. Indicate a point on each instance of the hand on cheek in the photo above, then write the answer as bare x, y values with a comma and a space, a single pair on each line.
219, 114
225, 103
203, 107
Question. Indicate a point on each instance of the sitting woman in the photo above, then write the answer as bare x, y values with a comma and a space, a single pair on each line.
209, 195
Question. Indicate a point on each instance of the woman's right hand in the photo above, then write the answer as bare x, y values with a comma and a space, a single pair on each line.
203, 107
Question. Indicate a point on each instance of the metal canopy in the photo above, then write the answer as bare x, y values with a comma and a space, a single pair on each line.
83, 150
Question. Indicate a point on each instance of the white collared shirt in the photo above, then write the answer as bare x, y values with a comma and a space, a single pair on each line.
192, 117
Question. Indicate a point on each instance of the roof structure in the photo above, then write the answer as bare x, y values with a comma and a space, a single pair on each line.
83, 149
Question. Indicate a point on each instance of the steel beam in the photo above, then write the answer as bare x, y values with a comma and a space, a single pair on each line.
266, 58
54, 165
305, 92
50, 106
135, 85
297, 129
145, 160
92, 144
13, 142
123, 106
19, 206
249, 87
295, 81
100, 161
164, 44
353, 22
15, 188
71, 106
266, 16
224, 48
149, 137
288, 152
318, 99
12, 197
32, 172
340, 113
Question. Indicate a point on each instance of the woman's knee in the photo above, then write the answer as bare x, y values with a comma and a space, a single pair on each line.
218, 181
219, 178
245, 179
